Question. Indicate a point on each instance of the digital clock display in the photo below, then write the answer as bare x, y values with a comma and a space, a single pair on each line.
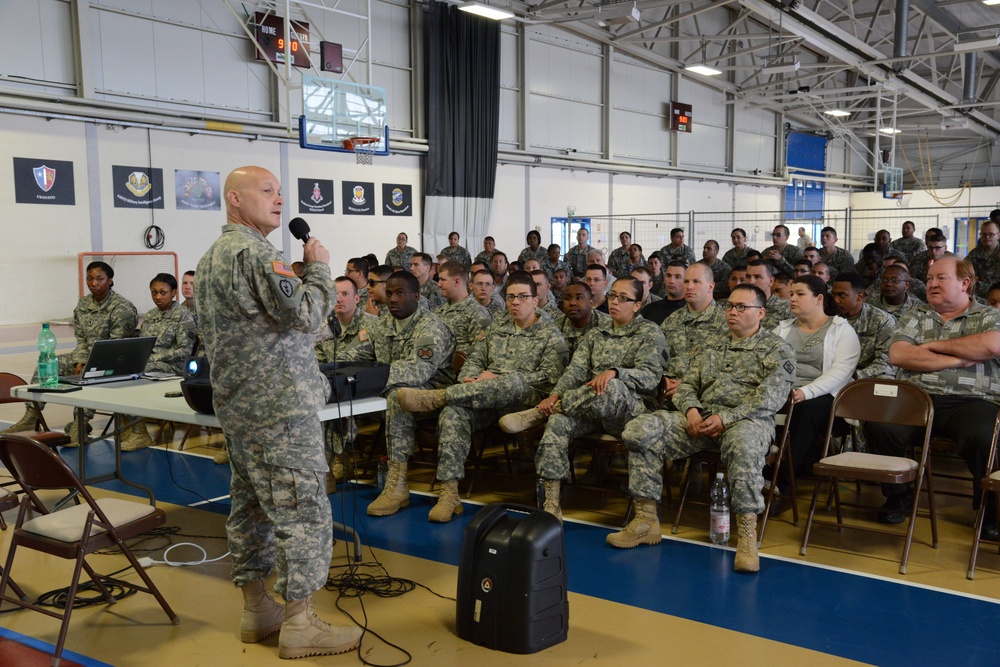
270, 34
680, 117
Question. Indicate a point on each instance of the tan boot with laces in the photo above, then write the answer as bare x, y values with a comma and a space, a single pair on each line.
448, 504
643, 529
305, 634
136, 437
747, 557
516, 422
262, 615
420, 400
396, 493
551, 501
25, 423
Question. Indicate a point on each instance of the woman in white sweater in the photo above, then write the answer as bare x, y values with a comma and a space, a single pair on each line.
826, 352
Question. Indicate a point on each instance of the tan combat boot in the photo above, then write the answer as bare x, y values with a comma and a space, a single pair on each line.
643, 529
337, 468
396, 493
25, 423
136, 437
74, 433
262, 616
420, 400
305, 634
221, 456
551, 501
747, 558
448, 503
516, 422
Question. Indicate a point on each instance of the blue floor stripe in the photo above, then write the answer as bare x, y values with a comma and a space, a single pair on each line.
852, 616
45, 647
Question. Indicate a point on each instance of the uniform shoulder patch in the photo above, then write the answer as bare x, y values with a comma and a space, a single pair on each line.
425, 353
363, 335
282, 269
789, 367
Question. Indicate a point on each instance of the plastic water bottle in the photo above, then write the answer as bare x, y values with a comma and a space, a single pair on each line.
48, 365
383, 470
718, 529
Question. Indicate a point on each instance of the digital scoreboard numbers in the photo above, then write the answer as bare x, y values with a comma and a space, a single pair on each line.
680, 117
270, 33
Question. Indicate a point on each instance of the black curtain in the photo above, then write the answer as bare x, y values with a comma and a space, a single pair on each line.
463, 109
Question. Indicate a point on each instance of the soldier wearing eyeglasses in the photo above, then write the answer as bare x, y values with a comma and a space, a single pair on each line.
727, 399
612, 379
894, 296
985, 257
514, 364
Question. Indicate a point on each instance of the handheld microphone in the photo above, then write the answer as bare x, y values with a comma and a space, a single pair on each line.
334, 325
299, 229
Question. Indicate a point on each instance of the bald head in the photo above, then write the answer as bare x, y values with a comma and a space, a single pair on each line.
253, 199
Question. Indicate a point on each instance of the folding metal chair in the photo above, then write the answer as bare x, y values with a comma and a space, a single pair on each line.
989, 484
71, 533
886, 402
41, 433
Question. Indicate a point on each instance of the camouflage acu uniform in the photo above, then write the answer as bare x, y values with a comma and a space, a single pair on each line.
744, 382
541, 254
573, 335
459, 254
257, 322
618, 263
398, 259
874, 328
737, 258
638, 353
363, 298
175, 332
576, 259
467, 321
841, 261
910, 248
789, 256
669, 253
484, 257
551, 309
987, 265
777, 310
527, 363
430, 291
897, 311
688, 333
420, 355
658, 288
919, 267
550, 268
497, 306
353, 335
192, 307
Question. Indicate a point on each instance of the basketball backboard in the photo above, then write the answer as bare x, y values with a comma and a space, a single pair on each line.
335, 113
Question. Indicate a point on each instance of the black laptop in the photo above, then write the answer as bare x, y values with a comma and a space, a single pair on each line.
113, 361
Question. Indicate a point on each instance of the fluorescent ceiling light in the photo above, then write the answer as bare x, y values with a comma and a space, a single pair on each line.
486, 11
785, 67
840, 113
704, 70
991, 2
889, 130
977, 45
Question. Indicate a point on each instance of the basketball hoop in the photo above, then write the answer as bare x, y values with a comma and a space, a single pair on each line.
364, 148
902, 199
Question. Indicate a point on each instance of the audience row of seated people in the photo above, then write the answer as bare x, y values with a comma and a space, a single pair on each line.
728, 366
104, 314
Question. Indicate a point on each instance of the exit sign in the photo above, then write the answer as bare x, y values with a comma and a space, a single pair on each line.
680, 117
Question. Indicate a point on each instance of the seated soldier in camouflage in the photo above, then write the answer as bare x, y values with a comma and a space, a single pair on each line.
484, 290
544, 288
100, 315
466, 318
420, 350
612, 379
579, 315
873, 326
353, 338
727, 399
514, 365
175, 330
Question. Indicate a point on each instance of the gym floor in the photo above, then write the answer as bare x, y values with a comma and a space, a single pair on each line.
680, 601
